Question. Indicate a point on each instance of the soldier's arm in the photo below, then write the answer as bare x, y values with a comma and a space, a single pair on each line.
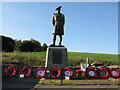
53, 20
63, 19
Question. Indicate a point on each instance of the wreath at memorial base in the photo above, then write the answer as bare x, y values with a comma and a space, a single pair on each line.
10, 71
91, 73
55, 72
68, 72
26, 71
80, 73
40, 72
114, 72
103, 73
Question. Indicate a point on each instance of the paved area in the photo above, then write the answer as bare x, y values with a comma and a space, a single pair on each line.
34, 83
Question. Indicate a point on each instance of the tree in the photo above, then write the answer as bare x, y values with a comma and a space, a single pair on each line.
30, 46
37, 47
35, 41
44, 47
27, 46
17, 44
7, 44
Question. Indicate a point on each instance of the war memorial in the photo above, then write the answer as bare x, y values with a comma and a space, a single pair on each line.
56, 55
56, 66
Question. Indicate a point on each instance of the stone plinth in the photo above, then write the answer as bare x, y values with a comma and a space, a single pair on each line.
56, 57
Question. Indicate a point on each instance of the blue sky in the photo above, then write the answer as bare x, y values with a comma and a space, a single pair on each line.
89, 26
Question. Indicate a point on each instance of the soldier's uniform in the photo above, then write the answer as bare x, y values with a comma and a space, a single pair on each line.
58, 21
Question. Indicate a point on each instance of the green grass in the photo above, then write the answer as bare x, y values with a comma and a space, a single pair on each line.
25, 58
74, 58
108, 59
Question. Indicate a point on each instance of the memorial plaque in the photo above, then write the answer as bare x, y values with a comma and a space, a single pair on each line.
57, 57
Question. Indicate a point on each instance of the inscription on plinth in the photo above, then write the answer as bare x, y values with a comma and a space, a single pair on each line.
56, 57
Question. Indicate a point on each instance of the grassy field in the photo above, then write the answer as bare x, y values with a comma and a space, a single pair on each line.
74, 58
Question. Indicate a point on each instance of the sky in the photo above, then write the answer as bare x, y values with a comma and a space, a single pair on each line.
89, 26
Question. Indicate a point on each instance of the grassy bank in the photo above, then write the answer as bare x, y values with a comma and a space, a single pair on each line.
74, 58
108, 59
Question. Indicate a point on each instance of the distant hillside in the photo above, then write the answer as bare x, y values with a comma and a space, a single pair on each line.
74, 58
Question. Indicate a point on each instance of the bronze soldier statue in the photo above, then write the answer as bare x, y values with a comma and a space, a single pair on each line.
58, 21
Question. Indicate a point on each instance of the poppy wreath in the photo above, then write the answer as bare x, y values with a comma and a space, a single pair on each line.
114, 72
68, 72
55, 72
25, 69
80, 73
40, 72
9, 70
103, 73
119, 72
91, 73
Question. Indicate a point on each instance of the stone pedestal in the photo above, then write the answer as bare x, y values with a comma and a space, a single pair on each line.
56, 57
